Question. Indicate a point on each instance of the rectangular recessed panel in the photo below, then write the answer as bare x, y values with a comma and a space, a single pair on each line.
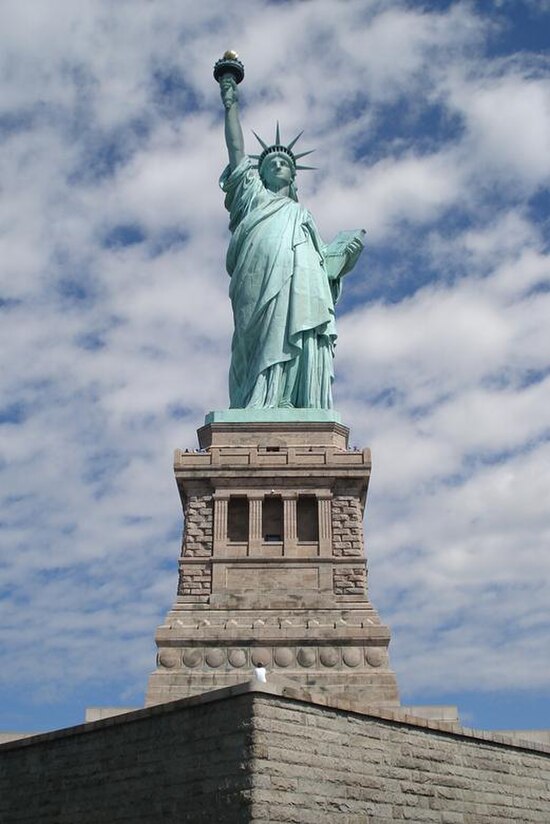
268, 578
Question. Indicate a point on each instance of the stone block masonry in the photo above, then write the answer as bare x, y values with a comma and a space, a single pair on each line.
272, 753
196, 581
347, 526
185, 764
314, 764
349, 580
272, 565
197, 536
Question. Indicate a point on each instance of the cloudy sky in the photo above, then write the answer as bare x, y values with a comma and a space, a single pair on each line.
431, 123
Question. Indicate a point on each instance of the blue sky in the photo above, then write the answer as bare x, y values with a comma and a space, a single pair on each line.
431, 123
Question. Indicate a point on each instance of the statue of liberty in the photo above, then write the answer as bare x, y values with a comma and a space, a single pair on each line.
284, 280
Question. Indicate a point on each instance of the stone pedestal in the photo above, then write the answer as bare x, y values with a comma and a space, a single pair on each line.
273, 569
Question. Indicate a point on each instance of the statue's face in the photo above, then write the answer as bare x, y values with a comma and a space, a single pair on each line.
277, 172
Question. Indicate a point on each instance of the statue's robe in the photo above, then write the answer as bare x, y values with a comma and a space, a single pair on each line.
282, 299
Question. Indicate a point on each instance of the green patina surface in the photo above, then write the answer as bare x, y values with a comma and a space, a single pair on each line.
285, 281
273, 416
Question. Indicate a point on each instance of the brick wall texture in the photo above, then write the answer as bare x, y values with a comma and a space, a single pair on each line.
318, 765
256, 757
196, 580
347, 526
197, 533
349, 580
183, 766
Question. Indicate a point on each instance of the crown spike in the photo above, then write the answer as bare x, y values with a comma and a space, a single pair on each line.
259, 139
279, 148
296, 139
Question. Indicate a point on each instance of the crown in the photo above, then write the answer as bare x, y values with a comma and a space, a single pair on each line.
279, 148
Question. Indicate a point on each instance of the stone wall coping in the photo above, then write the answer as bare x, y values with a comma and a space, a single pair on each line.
222, 457
272, 416
280, 687
274, 433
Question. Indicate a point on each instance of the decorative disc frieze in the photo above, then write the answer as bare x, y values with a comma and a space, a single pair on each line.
306, 657
276, 657
169, 658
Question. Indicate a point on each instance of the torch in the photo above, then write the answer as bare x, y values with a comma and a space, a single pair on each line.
229, 64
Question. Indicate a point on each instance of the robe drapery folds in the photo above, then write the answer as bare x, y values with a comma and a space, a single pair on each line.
282, 299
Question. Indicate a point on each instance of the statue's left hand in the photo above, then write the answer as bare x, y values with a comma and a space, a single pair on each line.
353, 250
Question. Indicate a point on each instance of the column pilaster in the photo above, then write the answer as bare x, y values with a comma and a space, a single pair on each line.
254, 523
290, 535
220, 520
221, 501
324, 503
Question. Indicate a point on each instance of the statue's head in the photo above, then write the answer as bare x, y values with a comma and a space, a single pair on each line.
277, 164
277, 171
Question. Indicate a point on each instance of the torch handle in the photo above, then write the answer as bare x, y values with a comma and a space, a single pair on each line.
229, 92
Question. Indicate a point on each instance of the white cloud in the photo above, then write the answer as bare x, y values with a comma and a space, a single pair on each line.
508, 124
110, 118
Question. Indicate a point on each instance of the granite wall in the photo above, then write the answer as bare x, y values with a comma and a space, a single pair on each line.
253, 754
314, 764
158, 765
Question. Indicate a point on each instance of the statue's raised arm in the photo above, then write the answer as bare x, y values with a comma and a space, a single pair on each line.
228, 72
284, 280
233, 131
